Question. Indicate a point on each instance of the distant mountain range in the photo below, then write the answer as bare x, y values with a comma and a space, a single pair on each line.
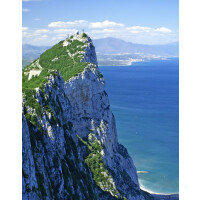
115, 46
113, 51
30, 53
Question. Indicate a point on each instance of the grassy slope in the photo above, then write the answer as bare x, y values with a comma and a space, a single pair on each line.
66, 64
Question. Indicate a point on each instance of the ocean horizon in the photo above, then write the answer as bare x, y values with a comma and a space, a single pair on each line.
144, 98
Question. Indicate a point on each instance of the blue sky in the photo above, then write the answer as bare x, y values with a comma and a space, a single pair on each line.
45, 22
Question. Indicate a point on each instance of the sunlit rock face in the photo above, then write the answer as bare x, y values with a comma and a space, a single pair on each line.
70, 146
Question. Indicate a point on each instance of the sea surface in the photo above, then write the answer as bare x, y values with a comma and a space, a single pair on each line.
144, 98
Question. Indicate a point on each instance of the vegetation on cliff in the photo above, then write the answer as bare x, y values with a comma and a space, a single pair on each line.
63, 59
95, 162
57, 165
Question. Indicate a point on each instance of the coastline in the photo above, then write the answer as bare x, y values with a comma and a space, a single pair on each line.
157, 196
142, 187
142, 172
151, 192
132, 62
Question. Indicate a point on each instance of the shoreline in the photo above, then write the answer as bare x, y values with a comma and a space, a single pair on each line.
142, 187
127, 63
156, 193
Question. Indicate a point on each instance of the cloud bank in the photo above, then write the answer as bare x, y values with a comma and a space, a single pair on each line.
58, 30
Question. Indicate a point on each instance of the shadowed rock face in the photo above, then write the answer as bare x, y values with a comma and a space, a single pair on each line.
70, 146
166, 197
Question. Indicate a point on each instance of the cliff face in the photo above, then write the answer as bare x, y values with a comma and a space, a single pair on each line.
70, 146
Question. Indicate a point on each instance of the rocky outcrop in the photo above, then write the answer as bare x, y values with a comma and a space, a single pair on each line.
70, 144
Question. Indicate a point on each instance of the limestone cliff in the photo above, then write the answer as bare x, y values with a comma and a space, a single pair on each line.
70, 146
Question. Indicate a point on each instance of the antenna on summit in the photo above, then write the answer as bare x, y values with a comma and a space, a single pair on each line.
83, 30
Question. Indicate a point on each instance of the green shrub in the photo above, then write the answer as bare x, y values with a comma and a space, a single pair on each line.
28, 188
84, 35
95, 162
100, 75
66, 65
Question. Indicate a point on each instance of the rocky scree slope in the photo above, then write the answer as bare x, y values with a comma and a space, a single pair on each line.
70, 148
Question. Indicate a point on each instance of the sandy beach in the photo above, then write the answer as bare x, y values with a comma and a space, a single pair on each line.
163, 196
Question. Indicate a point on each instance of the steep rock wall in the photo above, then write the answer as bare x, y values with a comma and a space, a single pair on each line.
70, 146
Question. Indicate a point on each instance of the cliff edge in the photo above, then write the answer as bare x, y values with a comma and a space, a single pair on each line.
70, 148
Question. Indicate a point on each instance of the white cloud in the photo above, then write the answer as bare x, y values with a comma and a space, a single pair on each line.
25, 10
39, 31
24, 34
36, 19
65, 31
59, 30
34, 34
105, 24
84, 23
76, 23
104, 31
24, 28
163, 30
109, 30
44, 36
139, 28
148, 30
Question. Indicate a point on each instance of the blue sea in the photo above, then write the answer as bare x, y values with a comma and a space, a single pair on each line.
144, 98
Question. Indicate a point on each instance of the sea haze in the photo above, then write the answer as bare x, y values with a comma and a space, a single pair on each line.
144, 98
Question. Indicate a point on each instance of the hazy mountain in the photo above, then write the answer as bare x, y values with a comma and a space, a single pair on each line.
30, 53
115, 46
130, 52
